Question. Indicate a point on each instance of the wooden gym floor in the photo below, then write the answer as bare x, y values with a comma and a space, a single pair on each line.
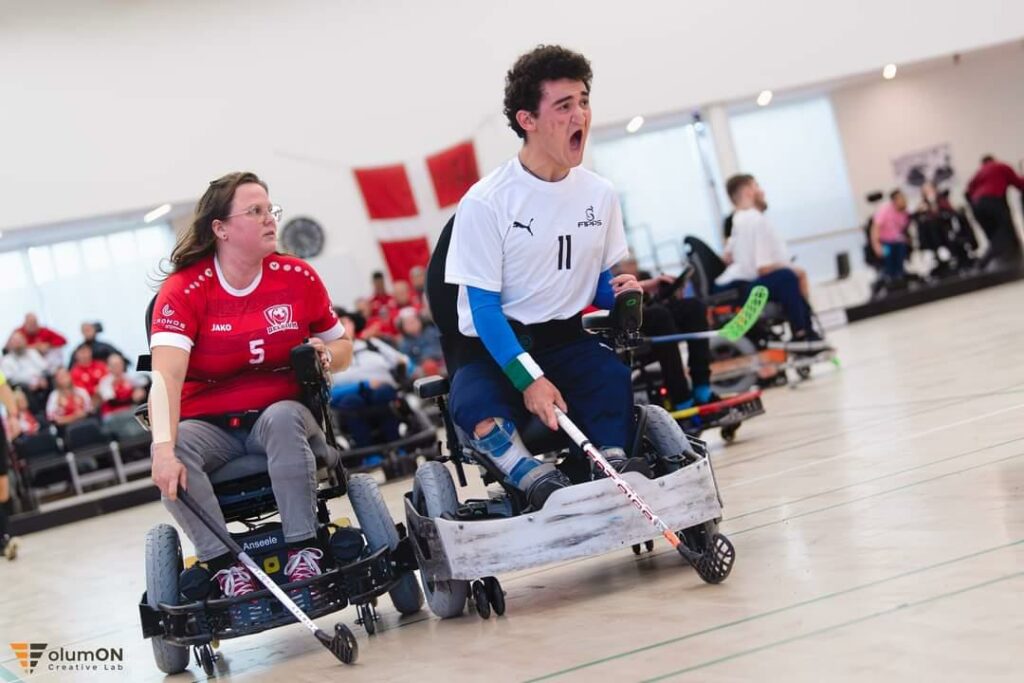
877, 512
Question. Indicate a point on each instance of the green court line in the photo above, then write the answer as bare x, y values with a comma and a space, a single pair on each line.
858, 620
733, 518
875, 495
778, 610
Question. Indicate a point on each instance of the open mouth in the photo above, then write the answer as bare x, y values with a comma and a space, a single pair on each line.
576, 141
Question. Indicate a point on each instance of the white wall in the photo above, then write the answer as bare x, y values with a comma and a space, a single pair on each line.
977, 107
108, 105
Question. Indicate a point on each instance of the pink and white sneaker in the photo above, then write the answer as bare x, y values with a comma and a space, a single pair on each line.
235, 581
303, 564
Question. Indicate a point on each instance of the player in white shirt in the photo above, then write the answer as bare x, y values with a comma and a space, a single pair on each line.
757, 256
534, 242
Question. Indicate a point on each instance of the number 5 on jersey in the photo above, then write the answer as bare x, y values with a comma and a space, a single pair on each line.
564, 252
257, 351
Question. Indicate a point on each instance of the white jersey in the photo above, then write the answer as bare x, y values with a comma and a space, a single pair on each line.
754, 244
542, 245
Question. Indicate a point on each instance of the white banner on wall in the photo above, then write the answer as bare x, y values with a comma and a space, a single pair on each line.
933, 164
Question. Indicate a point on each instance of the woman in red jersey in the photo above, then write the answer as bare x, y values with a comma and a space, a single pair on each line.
223, 326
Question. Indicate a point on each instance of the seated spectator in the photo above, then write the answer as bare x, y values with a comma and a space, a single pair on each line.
67, 403
117, 390
402, 299
23, 365
380, 297
101, 350
418, 281
29, 425
889, 235
376, 321
48, 343
757, 256
86, 372
422, 344
367, 383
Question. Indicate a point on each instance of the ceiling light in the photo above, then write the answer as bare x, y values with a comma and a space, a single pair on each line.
634, 124
158, 212
889, 72
764, 98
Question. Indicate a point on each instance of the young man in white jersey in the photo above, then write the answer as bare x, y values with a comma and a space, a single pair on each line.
534, 243
757, 256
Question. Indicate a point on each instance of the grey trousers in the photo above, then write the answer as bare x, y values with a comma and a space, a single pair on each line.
287, 434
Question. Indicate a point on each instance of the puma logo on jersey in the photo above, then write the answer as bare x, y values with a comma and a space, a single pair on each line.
517, 224
221, 327
591, 220
167, 311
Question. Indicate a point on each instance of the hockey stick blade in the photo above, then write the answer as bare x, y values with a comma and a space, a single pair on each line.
747, 316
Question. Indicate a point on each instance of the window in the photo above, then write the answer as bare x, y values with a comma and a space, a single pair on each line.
107, 278
794, 151
665, 182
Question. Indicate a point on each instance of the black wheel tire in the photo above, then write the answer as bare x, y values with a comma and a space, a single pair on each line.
649, 545
723, 349
804, 372
163, 565
434, 495
204, 653
729, 433
495, 595
379, 528
366, 616
481, 600
636, 548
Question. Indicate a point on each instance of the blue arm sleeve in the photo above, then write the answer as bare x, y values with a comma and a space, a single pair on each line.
492, 326
340, 391
605, 296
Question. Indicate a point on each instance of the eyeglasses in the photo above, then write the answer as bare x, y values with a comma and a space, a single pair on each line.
261, 212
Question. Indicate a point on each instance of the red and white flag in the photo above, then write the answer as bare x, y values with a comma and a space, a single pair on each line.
408, 202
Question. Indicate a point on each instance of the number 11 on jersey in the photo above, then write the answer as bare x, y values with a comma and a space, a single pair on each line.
564, 252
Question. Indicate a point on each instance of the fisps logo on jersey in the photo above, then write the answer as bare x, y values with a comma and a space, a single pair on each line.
279, 318
591, 221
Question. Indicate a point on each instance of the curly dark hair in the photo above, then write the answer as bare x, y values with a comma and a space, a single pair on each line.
544, 63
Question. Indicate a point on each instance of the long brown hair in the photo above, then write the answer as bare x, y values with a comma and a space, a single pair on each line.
198, 241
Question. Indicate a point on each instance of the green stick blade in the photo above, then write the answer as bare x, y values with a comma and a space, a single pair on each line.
747, 316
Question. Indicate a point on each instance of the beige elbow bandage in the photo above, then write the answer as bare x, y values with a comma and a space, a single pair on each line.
159, 410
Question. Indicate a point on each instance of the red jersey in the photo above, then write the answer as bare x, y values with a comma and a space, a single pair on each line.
992, 180
115, 393
240, 341
43, 334
88, 377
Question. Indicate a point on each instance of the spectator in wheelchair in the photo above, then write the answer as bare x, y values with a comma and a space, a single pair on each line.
889, 235
420, 343
67, 403
362, 393
222, 329
756, 255
676, 314
101, 350
117, 390
534, 242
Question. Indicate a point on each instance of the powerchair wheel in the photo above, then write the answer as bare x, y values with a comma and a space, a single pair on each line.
480, 599
367, 618
495, 595
729, 433
204, 657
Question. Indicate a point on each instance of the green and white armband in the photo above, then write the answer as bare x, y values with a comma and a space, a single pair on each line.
522, 371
